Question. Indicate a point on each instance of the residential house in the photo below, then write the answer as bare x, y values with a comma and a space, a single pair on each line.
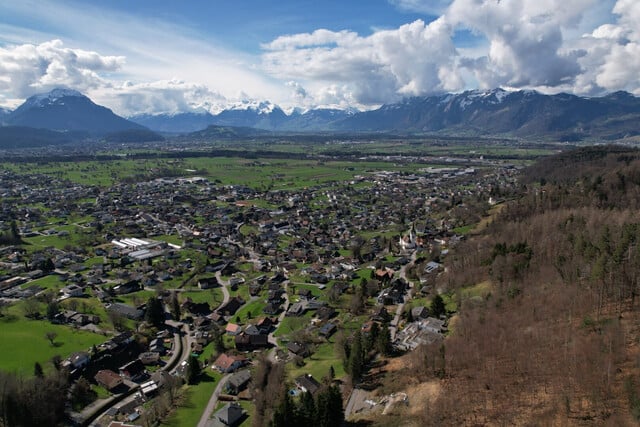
208, 282
298, 349
305, 294
127, 287
225, 363
296, 309
306, 383
71, 291
327, 330
230, 308
230, 414
271, 309
233, 329
157, 345
108, 379
77, 360
326, 313
238, 382
133, 370
149, 357
252, 330
246, 342
265, 325
418, 313
125, 310
195, 308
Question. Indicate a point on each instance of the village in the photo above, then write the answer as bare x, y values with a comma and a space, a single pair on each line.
180, 275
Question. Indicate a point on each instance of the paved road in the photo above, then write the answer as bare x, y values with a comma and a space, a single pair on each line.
393, 326
213, 401
271, 338
180, 343
224, 284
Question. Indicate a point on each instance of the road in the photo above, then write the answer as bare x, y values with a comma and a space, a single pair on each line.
224, 284
213, 401
393, 326
181, 346
271, 338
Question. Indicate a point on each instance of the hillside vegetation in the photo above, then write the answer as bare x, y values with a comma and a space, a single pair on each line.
555, 340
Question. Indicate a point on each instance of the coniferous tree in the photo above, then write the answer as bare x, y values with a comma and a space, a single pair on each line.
355, 363
193, 370
307, 410
155, 312
383, 341
285, 413
175, 306
437, 307
329, 408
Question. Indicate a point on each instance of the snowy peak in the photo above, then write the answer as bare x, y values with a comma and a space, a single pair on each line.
53, 97
68, 110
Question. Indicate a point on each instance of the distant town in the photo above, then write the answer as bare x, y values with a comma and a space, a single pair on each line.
146, 284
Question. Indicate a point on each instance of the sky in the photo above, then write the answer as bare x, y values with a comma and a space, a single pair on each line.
165, 56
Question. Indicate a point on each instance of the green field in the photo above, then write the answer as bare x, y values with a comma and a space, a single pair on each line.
195, 401
319, 363
24, 343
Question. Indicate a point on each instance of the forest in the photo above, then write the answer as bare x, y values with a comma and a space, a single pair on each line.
554, 341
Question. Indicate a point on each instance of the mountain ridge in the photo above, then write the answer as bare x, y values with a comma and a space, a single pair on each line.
479, 113
68, 110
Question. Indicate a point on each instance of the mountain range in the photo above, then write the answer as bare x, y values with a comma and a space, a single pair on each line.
521, 114
525, 114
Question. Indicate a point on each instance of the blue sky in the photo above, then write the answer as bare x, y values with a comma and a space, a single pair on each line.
168, 56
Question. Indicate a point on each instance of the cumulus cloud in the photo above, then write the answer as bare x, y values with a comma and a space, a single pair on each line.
27, 69
537, 44
526, 44
548, 45
165, 96
614, 51
413, 59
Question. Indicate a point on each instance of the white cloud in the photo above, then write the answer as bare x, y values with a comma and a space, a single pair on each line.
156, 50
416, 58
612, 53
430, 7
29, 69
134, 64
526, 44
167, 96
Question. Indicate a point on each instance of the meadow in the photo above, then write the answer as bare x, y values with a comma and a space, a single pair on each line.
24, 343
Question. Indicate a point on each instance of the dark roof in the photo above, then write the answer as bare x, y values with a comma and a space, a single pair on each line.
239, 379
308, 383
230, 413
328, 329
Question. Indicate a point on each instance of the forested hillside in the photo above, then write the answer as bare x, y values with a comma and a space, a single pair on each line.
553, 338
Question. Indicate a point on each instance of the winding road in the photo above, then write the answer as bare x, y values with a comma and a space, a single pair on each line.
213, 401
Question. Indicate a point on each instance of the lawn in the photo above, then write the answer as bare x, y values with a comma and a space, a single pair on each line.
28, 345
48, 282
254, 307
319, 363
195, 401
212, 296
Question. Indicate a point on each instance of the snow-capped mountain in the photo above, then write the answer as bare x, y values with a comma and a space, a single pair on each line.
479, 112
68, 110
499, 112
176, 122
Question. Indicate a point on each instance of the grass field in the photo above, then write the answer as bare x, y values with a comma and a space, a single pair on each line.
24, 343
319, 363
195, 401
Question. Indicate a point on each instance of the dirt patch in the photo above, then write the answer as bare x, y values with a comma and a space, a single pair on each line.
422, 394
